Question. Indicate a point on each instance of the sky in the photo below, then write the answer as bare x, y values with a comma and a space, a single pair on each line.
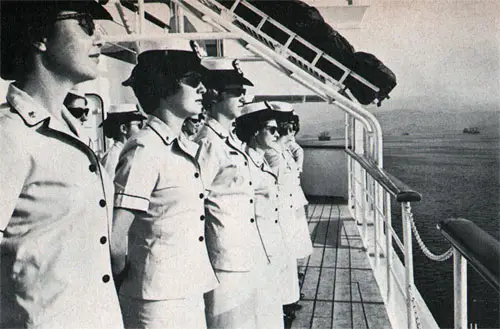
445, 54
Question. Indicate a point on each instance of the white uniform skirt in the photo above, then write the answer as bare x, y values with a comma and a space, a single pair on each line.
302, 237
269, 297
290, 291
233, 304
160, 314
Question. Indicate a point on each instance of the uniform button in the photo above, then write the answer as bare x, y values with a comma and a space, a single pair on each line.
202, 217
102, 203
105, 278
103, 240
252, 220
291, 206
196, 175
92, 168
246, 163
201, 195
276, 221
275, 209
250, 183
200, 238
290, 194
251, 201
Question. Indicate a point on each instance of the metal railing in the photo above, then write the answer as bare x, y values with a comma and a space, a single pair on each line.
370, 192
371, 189
474, 246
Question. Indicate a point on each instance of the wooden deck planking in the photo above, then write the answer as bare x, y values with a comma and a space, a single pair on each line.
339, 288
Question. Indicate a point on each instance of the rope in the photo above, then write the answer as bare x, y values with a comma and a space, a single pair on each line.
437, 258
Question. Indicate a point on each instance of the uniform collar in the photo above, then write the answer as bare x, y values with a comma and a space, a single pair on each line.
258, 160
161, 129
188, 146
220, 131
33, 113
217, 127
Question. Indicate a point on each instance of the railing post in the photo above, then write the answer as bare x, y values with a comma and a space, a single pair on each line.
460, 289
364, 192
405, 215
388, 243
376, 231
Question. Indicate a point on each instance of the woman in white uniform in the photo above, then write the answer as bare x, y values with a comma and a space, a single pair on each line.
233, 238
258, 128
159, 199
293, 221
56, 206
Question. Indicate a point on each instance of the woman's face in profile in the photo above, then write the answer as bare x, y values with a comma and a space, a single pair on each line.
267, 136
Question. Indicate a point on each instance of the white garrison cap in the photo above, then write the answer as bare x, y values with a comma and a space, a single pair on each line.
123, 108
255, 107
282, 106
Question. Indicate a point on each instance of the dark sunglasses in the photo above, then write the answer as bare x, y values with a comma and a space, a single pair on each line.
192, 79
285, 130
84, 20
199, 119
139, 124
237, 92
78, 112
272, 129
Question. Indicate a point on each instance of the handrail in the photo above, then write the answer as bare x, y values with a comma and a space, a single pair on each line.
397, 188
480, 248
268, 49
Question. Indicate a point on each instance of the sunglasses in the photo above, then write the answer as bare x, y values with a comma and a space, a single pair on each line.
192, 79
272, 129
139, 124
84, 20
237, 92
286, 130
79, 112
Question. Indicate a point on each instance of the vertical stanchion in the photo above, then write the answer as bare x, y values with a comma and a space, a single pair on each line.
460, 289
363, 203
407, 238
375, 222
388, 243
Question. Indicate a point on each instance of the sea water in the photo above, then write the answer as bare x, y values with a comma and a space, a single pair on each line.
458, 175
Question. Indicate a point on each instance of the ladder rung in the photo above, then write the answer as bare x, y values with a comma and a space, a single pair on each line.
303, 46
262, 22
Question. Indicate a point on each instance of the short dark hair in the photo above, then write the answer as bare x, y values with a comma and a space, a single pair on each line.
28, 21
70, 98
247, 125
157, 75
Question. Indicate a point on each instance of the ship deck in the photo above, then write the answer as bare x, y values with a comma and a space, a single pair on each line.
339, 288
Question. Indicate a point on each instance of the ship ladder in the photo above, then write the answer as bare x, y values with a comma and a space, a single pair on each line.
278, 54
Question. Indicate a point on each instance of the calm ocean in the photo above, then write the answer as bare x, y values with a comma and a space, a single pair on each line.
458, 176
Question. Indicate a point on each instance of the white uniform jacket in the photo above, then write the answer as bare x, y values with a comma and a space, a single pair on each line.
233, 238
158, 176
55, 211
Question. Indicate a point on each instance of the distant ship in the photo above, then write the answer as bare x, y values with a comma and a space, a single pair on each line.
324, 136
471, 130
